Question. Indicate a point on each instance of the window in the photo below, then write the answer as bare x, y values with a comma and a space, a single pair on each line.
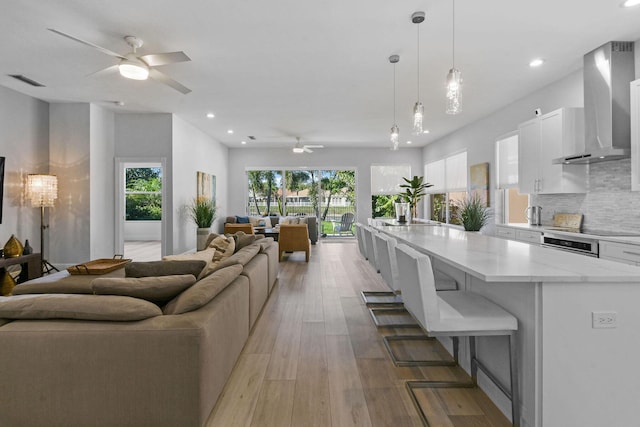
265, 192
385, 186
143, 194
511, 203
449, 179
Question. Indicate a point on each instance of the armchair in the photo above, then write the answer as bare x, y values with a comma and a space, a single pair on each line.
294, 237
234, 228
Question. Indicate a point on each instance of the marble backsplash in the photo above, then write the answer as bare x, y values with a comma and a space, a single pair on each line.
609, 203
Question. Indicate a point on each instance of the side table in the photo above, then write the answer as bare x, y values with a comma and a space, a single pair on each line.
31, 269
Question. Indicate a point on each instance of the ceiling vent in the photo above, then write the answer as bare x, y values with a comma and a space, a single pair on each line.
26, 80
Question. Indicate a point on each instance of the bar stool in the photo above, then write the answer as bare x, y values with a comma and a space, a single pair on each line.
360, 238
372, 256
455, 314
389, 302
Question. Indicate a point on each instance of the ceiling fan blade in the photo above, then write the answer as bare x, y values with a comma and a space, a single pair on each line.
105, 71
163, 78
314, 146
155, 59
306, 149
95, 46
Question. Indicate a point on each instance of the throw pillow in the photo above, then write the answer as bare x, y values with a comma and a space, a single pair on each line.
165, 268
206, 255
210, 238
224, 246
158, 290
203, 291
242, 239
242, 220
80, 307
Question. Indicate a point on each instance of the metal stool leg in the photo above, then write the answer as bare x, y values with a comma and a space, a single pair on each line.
474, 362
515, 392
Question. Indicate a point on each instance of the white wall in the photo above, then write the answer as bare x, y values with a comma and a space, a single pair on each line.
145, 136
195, 151
24, 142
327, 158
102, 198
69, 152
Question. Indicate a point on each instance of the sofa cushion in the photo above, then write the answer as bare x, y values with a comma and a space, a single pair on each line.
164, 268
242, 220
71, 306
158, 290
202, 291
206, 256
243, 239
62, 282
224, 246
265, 243
242, 257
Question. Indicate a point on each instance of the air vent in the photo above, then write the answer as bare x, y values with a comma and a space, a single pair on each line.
622, 46
26, 80
251, 137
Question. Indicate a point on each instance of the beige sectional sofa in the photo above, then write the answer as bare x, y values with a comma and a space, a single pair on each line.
165, 370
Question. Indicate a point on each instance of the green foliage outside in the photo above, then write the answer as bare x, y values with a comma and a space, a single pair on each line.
143, 199
383, 206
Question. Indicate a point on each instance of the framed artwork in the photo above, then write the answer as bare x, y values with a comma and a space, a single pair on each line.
479, 181
206, 186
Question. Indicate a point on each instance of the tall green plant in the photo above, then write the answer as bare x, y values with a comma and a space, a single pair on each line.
414, 192
473, 213
203, 212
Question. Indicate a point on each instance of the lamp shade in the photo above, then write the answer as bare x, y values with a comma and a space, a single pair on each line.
42, 190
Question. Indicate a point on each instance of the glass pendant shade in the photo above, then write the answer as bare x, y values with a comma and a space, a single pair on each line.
395, 133
418, 114
454, 91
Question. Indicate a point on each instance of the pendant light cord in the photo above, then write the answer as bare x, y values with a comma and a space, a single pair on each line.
453, 33
394, 94
418, 67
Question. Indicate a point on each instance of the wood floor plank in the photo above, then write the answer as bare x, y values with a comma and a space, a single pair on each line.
335, 323
236, 405
311, 405
275, 404
348, 404
365, 339
283, 363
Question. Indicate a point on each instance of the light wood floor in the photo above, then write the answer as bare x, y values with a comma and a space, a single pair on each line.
315, 358
142, 250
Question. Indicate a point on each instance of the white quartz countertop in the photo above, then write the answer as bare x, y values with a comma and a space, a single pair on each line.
635, 240
493, 259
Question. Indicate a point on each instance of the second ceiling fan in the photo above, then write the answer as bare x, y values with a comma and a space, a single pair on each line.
300, 148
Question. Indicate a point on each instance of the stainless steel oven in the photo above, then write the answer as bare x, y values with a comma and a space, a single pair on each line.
577, 244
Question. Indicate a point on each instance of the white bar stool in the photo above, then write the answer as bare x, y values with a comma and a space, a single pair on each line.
455, 314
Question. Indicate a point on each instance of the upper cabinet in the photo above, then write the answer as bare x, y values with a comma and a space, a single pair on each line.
552, 135
635, 135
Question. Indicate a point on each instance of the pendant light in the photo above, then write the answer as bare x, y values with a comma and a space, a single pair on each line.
418, 109
395, 131
454, 78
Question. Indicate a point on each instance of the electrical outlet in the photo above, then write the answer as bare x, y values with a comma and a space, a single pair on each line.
604, 319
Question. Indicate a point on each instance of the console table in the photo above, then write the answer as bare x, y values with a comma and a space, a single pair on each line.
31, 269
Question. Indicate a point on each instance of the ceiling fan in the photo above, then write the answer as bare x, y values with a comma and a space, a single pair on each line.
133, 66
299, 148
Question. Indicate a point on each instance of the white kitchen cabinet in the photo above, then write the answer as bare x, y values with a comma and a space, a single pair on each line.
621, 252
635, 135
552, 135
505, 232
529, 236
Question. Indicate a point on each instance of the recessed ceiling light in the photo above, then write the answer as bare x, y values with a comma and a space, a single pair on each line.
631, 3
536, 62
408, 142
425, 131
230, 131
243, 142
210, 115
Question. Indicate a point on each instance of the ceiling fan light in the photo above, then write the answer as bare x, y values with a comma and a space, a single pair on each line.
298, 150
133, 69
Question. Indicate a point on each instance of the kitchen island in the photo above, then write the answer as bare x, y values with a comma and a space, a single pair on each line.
571, 373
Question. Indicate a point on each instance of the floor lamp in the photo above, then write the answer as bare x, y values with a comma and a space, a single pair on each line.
43, 191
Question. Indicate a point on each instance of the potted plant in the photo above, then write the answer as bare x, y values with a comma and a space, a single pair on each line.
203, 212
414, 192
473, 213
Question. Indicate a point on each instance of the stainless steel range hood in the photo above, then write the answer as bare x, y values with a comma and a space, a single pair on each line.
608, 70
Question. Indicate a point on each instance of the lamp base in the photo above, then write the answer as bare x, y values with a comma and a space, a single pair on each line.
47, 267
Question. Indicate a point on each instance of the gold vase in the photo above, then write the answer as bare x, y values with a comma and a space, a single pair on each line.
13, 248
6, 283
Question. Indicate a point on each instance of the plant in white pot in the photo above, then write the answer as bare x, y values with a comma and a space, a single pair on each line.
473, 213
414, 191
203, 213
